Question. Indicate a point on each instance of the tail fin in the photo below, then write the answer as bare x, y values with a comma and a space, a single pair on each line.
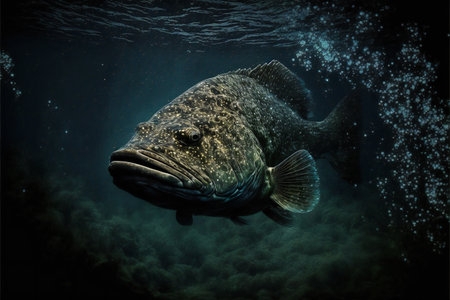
343, 128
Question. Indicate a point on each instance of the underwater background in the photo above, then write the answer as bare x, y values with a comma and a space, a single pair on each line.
76, 78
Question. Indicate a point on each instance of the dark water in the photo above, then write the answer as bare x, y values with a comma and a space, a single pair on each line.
78, 76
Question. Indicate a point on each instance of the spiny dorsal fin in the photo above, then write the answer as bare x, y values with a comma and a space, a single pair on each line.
283, 83
295, 182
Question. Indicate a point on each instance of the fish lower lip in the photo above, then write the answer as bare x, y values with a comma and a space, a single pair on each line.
126, 169
149, 160
190, 180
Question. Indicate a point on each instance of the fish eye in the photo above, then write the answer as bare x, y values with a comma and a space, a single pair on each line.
194, 136
189, 135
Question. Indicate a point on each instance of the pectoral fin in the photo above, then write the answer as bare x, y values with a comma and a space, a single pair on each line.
295, 183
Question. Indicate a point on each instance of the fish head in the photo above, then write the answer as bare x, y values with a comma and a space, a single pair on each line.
186, 156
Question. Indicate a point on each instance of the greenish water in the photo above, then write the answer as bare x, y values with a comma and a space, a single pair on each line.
76, 79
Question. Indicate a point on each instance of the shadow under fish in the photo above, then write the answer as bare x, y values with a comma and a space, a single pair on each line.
237, 144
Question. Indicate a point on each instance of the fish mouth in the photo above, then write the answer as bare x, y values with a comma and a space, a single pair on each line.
150, 169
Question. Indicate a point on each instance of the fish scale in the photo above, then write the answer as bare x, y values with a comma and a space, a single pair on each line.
245, 122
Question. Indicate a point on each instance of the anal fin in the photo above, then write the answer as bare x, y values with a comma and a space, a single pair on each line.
279, 215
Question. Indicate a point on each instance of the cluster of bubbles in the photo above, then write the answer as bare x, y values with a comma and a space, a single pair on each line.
415, 190
6, 72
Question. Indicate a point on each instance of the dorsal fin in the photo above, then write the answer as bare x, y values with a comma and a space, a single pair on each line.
283, 83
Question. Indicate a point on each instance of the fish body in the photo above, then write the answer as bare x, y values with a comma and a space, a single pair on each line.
237, 144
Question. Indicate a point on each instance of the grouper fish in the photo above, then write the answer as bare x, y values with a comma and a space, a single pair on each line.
237, 144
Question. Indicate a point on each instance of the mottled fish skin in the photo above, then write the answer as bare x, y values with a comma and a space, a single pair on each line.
228, 159
219, 138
